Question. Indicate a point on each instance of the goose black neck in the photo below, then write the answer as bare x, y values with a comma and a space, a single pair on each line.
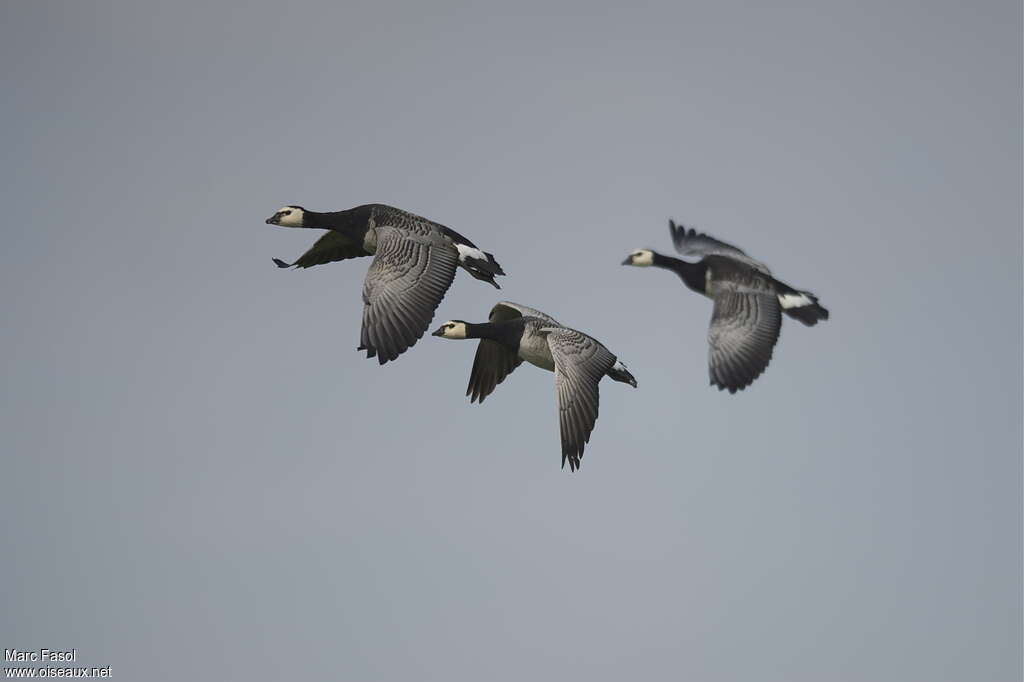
502, 332
692, 274
347, 220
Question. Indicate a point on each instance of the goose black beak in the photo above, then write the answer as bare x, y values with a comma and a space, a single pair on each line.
272, 220
628, 261
438, 332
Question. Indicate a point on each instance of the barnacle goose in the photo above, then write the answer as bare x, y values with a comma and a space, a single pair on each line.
748, 303
514, 333
414, 264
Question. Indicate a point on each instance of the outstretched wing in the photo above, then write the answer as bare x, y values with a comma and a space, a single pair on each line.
491, 364
507, 310
742, 336
478, 263
332, 246
580, 362
404, 285
689, 242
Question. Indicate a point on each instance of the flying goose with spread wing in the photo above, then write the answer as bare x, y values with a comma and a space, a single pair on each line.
414, 264
748, 303
514, 333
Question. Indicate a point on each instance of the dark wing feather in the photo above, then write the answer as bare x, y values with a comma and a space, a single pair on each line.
689, 242
492, 363
744, 329
580, 362
332, 246
405, 283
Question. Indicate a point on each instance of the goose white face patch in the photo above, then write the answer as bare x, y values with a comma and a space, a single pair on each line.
470, 252
290, 216
794, 300
453, 330
642, 258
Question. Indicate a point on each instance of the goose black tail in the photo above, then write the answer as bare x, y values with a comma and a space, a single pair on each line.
620, 373
494, 264
800, 305
483, 270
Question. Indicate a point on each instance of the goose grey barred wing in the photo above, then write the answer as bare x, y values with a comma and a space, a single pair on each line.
689, 242
478, 263
409, 276
507, 310
580, 362
491, 364
389, 216
742, 336
332, 246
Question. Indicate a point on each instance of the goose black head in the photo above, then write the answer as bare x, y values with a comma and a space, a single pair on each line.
452, 329
641, 258
288, 216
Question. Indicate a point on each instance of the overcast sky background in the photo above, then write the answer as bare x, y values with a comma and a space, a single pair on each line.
202, 479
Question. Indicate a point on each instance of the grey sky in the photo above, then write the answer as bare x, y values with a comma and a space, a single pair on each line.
204, 480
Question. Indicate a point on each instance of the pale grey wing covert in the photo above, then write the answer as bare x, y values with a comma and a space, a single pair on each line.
507, 310
409, 276
493, 362
580, 363
697, 244
332, 246
744, 329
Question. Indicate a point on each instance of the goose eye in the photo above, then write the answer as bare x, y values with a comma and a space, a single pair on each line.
286, 212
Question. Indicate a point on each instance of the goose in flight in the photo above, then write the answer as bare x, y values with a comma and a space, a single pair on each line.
414, 264
748, 303
514, 333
